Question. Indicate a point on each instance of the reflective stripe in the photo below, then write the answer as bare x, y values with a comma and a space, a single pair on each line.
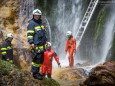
4, 53
32, 50
40, 47
37, 28
30, 36
3, 48
42, 27
30, 31
11, 61
9, 47
36, 65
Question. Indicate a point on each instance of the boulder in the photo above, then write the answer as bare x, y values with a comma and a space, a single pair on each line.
101, 75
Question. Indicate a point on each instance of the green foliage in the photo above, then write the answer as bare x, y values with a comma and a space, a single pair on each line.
50, 82
101, 19
6, 67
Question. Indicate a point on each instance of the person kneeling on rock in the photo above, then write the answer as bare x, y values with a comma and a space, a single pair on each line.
48, 57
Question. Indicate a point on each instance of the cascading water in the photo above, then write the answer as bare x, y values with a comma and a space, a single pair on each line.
65, 15
48, 28
108, 35
68, 16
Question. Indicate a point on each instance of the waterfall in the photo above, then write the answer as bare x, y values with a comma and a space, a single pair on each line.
61, 16
48, 28
68, 15
108, 35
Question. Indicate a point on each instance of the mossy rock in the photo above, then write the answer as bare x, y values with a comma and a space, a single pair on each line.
100, 22
10, 75
6, 67
50, 82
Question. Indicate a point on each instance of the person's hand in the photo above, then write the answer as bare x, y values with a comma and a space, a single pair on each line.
74, 51
7, 59
59, 65
32, 45
65, 50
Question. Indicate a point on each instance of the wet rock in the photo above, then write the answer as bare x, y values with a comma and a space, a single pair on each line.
70, 74
101, 75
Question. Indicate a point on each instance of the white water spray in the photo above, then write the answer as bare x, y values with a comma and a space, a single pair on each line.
108, 35
69, 16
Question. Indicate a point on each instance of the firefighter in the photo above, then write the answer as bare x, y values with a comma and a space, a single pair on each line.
36, 34
48, 57
70, 48
6, 49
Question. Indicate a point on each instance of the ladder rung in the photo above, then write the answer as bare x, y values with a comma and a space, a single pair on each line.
78, 37
90, 7
80, 32
86, 19
82, 27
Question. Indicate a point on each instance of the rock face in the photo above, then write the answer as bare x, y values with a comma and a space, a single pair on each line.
102, 75
24, 78
10, 75
70, 74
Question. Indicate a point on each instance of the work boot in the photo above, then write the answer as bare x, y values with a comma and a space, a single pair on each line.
38, 76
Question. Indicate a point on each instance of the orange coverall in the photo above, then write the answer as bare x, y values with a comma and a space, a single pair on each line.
47, 64
71, 48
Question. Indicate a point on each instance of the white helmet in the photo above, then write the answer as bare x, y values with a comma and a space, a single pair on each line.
9, 35
69, 33
37, 12
49, 44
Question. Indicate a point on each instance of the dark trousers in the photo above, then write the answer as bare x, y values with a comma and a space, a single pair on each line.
38, 59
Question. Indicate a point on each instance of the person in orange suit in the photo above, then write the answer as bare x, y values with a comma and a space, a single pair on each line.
70, 48
48, 57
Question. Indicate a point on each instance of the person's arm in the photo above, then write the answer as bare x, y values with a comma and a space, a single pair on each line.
30, 33
4, 51
57, 59
74, 45
66, 47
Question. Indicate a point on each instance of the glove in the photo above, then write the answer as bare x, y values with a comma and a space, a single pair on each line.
74, 51
65, 50
59, 65
7, 59
33, 46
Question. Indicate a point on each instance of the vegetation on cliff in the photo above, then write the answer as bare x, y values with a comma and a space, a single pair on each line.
10, 75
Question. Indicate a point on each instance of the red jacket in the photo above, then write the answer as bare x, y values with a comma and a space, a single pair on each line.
48, 57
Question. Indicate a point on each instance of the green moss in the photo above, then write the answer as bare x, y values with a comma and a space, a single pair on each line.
50, 82
101, 19
6, 67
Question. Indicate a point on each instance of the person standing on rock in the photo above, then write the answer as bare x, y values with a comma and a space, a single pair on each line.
36, 34
6, 49
70, 48
48, 58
